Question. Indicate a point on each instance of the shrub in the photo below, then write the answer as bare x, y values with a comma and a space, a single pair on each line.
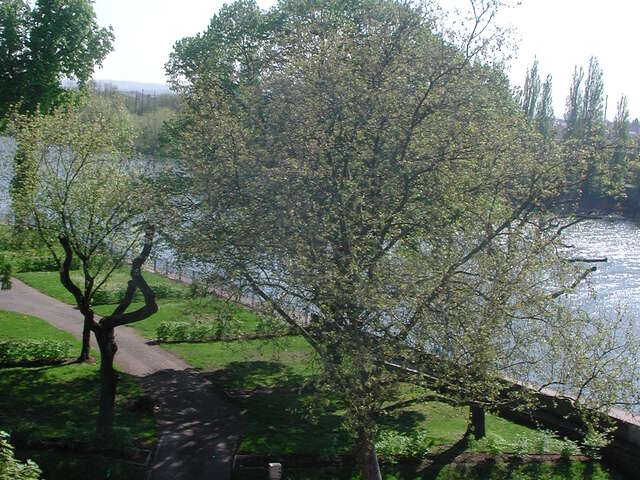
594, 441
10, 467
496, 444
392, 446
196, 331
569, 448
36, 261
20, 352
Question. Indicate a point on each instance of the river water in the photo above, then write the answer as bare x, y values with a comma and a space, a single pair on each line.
7, 149
616, 283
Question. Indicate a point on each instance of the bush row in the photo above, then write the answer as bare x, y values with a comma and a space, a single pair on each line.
197, 331
212, 330
21, 352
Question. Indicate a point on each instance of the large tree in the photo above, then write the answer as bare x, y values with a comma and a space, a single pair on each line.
88, 201
374, 182
44, 44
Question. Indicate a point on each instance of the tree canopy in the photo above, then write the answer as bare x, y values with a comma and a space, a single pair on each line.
372, 179
44, 44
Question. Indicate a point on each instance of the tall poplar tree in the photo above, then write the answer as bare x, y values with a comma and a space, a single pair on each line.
531, 91
574, 106
544, 117
621, 159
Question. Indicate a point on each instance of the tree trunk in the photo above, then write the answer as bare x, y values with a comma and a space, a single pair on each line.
86, 337
367, 457
108, 382
477, 423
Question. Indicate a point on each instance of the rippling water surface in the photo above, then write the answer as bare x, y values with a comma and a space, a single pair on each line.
616, 282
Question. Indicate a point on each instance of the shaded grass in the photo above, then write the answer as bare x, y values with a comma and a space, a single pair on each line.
60, 403
284, 422
250, 364
485, 471
74, 466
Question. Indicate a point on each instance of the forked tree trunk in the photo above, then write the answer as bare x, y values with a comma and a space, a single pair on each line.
477, 421
367, 457
108, 382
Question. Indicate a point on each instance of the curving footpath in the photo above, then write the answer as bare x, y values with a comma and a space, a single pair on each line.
197, 427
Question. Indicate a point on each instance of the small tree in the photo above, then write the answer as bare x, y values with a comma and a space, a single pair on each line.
87, 199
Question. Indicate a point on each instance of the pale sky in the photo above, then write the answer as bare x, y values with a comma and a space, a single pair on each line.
562, 33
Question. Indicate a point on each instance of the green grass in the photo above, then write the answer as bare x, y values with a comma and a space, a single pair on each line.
293, 422
58, 465
250, 364
288, 420
49, 283
21, 327
244, 321
59, 403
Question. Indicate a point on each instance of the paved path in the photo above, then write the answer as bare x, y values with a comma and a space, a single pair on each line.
198, 438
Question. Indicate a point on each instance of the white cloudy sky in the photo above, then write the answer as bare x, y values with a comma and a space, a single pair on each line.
562, 33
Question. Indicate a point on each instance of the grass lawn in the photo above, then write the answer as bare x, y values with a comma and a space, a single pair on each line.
59, 403
244, 321
49, 284
280, 418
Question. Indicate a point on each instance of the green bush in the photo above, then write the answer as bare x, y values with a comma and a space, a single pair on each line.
392, 446
197, 331
595, 441
37, 264
10, 467
569, 448
544, 441
20, 352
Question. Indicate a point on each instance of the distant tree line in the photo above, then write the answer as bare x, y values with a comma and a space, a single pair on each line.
148, 114
601, 155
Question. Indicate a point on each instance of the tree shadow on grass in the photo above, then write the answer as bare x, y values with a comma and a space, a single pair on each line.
407, 422
257, 374
57, 403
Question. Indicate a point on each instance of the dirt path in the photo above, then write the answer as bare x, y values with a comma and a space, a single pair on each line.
197, 427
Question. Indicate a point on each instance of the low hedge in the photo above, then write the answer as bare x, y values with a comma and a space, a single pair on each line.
33, 352
197, 331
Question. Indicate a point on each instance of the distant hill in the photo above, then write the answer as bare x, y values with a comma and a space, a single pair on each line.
126, 86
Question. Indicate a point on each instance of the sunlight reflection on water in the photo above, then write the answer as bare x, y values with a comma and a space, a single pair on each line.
617, 282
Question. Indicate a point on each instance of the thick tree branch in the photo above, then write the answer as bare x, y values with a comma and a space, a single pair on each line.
118, 317
65, 277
